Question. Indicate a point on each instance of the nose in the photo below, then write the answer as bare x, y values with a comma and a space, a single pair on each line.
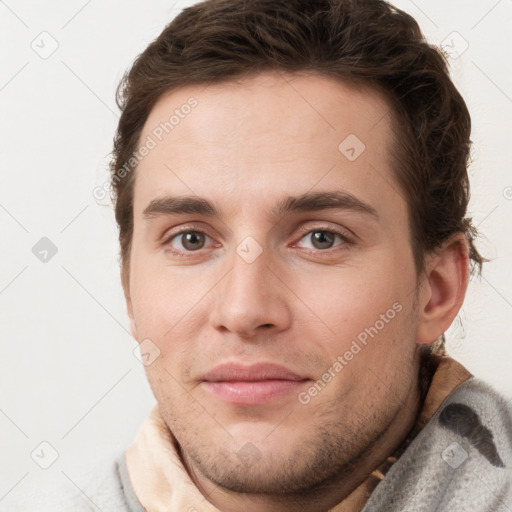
251, 299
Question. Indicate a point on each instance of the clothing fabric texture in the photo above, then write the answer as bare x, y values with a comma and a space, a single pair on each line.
457, 458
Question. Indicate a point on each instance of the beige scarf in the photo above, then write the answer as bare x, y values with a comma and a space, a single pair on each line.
162, 484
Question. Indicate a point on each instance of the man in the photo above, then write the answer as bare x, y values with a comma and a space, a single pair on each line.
290, 184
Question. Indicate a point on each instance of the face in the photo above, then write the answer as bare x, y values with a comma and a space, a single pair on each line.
272, 275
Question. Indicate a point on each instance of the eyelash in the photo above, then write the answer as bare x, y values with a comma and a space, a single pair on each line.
346, 241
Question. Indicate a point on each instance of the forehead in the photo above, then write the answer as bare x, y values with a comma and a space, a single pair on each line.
255, 139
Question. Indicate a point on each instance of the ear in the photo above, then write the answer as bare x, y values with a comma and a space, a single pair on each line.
129, 307
443, 288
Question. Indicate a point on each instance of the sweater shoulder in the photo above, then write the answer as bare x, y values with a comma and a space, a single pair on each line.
461, 460
102, 488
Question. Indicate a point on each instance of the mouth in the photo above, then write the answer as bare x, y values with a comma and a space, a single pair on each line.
251, 385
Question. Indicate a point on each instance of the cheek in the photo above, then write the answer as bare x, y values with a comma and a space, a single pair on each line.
162, 296
169, 308
349, 300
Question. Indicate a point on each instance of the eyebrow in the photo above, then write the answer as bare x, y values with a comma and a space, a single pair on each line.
310, 201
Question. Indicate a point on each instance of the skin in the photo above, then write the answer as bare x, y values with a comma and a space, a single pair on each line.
300, 303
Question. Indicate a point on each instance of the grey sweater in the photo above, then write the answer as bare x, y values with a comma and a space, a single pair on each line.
459, 462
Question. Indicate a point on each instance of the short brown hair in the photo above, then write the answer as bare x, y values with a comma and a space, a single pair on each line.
363, 41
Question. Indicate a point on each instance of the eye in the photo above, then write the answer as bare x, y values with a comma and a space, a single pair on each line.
322, 239
188, 240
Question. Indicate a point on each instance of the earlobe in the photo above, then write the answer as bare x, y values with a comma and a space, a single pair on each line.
447, 277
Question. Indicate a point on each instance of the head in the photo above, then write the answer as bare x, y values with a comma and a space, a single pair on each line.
313, 156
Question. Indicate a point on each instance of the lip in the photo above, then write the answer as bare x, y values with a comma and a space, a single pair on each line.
251, 384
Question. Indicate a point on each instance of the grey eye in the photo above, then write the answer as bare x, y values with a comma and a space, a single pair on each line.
192, 240
322, 239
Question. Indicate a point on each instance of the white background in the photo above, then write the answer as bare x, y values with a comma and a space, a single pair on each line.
69, 376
